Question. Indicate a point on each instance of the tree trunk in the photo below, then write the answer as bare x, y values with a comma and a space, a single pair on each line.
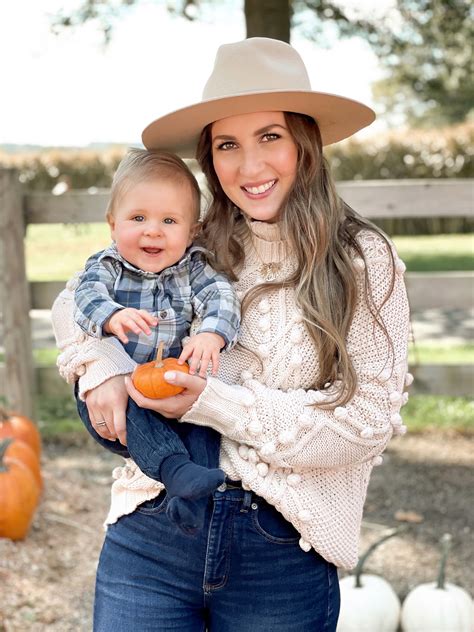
268, 18
18, 387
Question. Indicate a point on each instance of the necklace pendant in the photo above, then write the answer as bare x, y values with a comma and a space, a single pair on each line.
269, 271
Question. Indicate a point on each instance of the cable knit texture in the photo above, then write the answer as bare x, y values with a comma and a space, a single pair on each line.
312, 464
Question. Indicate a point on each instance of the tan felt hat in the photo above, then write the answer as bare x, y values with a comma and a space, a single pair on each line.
256, 75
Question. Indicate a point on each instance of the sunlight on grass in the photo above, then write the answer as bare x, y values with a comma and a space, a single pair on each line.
55, 251
436, 253
436, 353
428, 412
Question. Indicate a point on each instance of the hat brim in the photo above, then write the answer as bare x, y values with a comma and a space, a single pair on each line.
337, 117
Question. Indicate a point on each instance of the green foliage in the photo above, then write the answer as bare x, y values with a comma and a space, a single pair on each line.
410, 153
425, 47
75, 168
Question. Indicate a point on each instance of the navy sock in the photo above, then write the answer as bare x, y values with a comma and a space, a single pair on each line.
181, 477
187, 515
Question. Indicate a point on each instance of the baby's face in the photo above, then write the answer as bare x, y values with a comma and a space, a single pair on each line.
153, 224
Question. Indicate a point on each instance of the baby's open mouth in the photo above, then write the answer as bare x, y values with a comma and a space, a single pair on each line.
152, 251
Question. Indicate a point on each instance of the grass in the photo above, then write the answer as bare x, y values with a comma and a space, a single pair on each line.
55, 251
58, 418
438, 353
433, 412
436, 253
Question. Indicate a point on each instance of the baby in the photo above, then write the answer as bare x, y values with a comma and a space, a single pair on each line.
146, 288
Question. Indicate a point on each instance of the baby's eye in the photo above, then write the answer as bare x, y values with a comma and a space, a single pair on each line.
270, 136
225, 146
138, 218
169, 220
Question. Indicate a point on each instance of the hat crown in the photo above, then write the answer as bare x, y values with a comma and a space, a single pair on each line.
256, 64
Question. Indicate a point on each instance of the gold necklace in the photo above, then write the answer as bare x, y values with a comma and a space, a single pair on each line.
268, 270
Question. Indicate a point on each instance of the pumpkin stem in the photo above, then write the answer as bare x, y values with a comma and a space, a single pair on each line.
360, 564
446, 543
4, 416
159, 356
4, 443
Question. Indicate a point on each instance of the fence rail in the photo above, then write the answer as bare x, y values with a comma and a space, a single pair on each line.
19, 379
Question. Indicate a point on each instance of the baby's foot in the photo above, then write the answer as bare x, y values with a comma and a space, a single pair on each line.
186, 479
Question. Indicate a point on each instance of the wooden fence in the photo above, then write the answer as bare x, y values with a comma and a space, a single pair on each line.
20, 379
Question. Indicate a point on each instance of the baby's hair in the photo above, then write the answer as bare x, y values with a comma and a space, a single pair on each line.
140, 165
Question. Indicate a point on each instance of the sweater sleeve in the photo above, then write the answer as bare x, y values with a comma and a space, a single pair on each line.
292, 429
83, 357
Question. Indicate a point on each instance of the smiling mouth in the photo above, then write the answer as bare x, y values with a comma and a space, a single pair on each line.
262, 188
152, 251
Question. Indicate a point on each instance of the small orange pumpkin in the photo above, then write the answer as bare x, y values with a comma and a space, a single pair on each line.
20, 427
19, 495
149, 378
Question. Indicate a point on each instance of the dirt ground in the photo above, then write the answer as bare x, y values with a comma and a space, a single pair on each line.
47, 580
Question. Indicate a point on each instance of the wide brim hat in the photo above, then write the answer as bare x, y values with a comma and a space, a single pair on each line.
256, 75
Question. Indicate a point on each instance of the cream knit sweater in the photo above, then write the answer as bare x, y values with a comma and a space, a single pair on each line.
312, 464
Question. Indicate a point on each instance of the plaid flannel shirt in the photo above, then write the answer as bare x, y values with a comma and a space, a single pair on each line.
176, 295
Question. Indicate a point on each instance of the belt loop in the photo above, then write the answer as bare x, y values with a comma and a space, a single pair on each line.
247, 501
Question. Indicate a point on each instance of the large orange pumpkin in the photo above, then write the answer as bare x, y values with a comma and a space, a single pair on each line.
19, 495
149, 378
21, 427
21, 451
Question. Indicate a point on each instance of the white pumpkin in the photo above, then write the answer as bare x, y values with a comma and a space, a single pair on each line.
374, 607
368, 602
438, 606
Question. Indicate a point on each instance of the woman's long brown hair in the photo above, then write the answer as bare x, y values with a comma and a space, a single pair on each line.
321, 230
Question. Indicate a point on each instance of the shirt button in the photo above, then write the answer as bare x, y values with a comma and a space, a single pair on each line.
222, 487
163, 314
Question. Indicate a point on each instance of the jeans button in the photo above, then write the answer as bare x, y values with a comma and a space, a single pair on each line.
222, 487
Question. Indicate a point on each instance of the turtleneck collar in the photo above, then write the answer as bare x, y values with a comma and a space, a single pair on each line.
267, 241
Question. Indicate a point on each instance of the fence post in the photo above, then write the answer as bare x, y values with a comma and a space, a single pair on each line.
14, 297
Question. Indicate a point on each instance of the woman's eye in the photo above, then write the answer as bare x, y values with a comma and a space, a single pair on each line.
138, 218
226, 145
272, 136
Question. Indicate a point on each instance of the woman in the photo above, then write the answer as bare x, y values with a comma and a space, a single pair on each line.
306, 402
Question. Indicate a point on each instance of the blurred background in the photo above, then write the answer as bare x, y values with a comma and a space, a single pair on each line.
82, 78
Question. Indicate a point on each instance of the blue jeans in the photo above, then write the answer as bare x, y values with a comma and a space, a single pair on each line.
244, 572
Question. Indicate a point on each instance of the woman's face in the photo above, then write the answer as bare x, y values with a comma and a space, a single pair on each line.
255, 159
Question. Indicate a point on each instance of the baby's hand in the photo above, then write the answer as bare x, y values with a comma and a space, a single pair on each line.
202, 349
130, 319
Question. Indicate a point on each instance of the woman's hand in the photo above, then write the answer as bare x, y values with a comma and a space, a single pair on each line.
171, 407
107, 405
